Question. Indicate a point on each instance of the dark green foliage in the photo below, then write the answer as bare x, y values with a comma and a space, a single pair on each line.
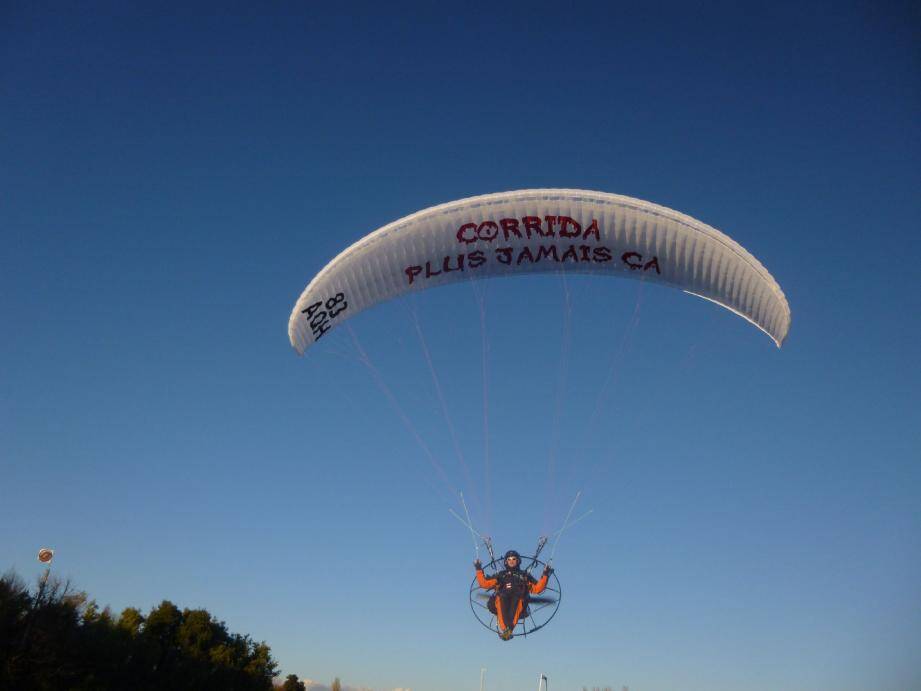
56, 638
292, 683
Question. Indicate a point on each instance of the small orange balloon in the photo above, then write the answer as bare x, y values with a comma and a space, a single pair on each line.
45, 555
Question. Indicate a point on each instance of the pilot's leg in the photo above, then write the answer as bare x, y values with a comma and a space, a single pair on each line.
519, 607
500, 613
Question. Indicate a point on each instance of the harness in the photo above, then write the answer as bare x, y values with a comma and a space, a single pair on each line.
512, 585
514, 582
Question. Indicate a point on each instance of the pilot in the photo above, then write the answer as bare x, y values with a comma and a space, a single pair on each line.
513, 588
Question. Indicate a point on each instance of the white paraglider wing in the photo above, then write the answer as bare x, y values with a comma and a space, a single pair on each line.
544, 230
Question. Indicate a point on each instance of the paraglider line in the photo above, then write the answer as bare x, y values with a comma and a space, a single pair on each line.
611, 378
570, 525
562, 378
470, 528
444, 406
565, 525
382, 385
473, 533
481, 303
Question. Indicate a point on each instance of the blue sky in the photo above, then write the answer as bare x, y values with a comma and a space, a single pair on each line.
172, 178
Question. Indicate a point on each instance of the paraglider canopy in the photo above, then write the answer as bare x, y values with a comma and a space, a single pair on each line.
539, 231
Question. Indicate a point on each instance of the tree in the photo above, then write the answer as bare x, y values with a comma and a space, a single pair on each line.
57, 638
130, 621
292, 683
337, 685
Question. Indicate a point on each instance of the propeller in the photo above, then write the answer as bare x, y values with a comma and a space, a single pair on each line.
538, 600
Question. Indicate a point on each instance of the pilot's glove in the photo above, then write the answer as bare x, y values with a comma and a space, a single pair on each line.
548, 570
478, 565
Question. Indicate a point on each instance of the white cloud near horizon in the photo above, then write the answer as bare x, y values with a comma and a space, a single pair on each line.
311, 685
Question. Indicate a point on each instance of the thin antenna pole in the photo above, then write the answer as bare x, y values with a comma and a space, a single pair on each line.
482, 679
